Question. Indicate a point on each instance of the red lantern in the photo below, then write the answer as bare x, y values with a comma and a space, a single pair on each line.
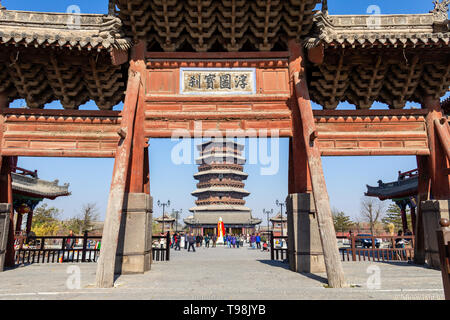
23, 209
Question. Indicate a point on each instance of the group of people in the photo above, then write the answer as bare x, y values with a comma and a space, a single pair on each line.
192, 241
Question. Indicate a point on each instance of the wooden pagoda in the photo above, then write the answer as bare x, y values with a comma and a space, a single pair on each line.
172, 62
220, 192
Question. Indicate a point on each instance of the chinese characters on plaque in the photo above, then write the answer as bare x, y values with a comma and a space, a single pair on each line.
217, 81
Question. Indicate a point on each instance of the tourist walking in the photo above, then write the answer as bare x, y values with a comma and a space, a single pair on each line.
238, 240
258, 241
197, 241
191, 241
207, 241
177, 239
233, 241
70, 243
172, 241
399, 242
252, 241
214, 239
186, 241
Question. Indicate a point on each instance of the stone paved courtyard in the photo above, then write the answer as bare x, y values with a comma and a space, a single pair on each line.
222, 273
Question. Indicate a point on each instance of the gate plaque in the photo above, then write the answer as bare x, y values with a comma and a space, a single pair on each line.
217, 81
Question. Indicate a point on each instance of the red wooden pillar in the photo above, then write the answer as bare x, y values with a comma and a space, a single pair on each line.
146, 171
3, 105
29, 221
19, 222
433, 180
299, 175
138, 173
437, 161
335, 272
110, 238
6, 196
422, 195
404, 217
413, 219
128, 174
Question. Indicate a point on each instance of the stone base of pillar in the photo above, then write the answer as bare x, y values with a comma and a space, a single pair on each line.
134, 252
432, 212
5, 209
304, 245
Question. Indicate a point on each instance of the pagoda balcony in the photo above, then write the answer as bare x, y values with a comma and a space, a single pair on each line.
217, 182
220, 202
222, 150
222, 190
205, 167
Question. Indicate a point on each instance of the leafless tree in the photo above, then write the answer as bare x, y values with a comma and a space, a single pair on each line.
372, 210
89, 214
85, 220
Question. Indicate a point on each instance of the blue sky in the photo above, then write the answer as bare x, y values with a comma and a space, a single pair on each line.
90, 178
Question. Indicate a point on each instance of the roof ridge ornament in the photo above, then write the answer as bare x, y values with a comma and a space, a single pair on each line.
325, 7
2, 7
440, 11
111, 7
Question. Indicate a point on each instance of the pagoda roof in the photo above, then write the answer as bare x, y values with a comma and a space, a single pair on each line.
212, 218
221, 142
220, 155
35, 187
278, 218
223, 207
220, 189
167, 218
220, 171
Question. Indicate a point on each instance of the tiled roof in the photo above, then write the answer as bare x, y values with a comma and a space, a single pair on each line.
220, 189
225, 207
212, 218
405, 30
38, 187
40, 29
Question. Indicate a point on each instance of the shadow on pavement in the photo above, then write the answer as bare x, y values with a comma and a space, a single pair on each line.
275, 263
315, 277
284, 265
